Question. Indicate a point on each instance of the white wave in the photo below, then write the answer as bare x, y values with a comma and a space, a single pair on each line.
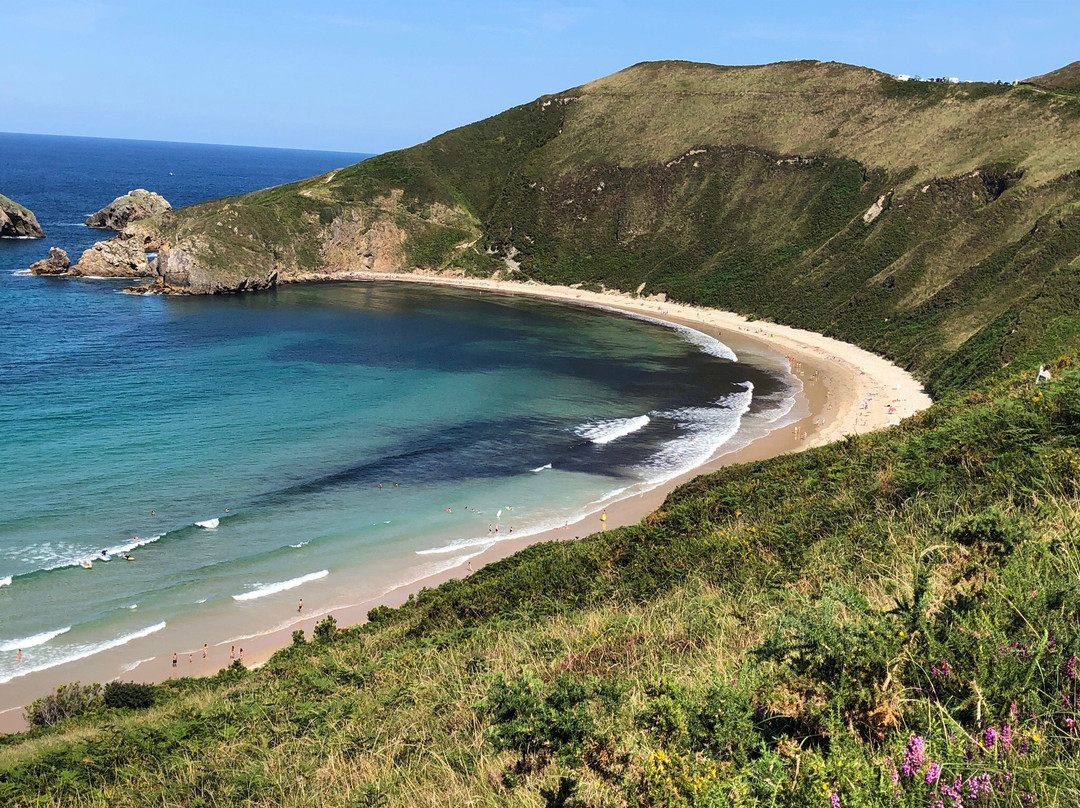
81, 651
707, 344
298, 546
130, 666
22, 272
535, 470
209, 524
201, 600
706, 430
5, 581
601, 432
270, 589
134, 606
610, 495
33, 641
131, 545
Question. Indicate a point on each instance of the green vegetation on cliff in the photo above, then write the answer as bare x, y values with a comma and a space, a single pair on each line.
919, 220
887, 621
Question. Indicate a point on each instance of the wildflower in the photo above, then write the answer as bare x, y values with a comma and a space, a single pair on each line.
990, 737
1070, 723
1070, 667
933, 772
1006, 737
834, 800
914, 755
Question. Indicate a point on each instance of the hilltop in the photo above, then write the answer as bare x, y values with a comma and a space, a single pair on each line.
918, 220
887, 620
1063, 80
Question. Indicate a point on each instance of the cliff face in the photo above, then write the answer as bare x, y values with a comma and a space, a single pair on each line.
17, 221
919, 220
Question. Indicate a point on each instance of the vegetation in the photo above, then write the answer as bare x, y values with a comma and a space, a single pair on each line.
747, 188
887, 621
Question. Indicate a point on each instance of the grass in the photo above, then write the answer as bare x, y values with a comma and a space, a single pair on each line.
776, 633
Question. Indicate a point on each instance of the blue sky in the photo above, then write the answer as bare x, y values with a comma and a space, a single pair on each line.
367, 77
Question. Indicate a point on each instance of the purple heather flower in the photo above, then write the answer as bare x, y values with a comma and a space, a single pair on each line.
978, 785
1014, 710
1025, 746
990, 736
1070, 723
914, 755
933, 772
1006, 737
834, 800
1070, 667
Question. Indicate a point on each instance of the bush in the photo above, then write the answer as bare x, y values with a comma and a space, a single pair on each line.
67, 702
131, 695
325, 630
298, 637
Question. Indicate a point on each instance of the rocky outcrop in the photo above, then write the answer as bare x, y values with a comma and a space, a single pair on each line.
17, 221
56, 264
116, 258
177, 269
133, 206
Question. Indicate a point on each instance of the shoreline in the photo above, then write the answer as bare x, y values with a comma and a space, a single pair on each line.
846, 390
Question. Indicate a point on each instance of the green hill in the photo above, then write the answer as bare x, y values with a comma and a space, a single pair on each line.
887, 621
749, 188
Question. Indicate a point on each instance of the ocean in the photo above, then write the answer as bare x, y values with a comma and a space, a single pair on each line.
324, 441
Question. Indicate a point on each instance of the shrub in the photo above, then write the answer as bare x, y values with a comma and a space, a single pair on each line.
298, 638
66, 702
325, 630
131, 695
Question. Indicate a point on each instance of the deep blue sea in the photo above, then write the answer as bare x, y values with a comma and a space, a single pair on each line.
335, 440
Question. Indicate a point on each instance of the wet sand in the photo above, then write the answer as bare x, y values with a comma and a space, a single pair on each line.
846, 390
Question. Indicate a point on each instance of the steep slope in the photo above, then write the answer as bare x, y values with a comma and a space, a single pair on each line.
923, 221
1063, 80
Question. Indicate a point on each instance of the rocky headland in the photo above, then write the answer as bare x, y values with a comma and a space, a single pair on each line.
115, 258
57, 263
17, 221
131, 207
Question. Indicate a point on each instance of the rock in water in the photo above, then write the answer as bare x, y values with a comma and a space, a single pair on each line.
116, 258
133, 206
56, 264
17, 221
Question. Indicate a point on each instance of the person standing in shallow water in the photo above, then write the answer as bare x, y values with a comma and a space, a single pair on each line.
300, 606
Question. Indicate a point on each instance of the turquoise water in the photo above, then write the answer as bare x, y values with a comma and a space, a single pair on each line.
335, 440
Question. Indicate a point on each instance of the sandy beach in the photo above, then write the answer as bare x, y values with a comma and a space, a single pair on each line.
846, 390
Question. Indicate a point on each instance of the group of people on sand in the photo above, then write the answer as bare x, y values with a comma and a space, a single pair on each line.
205, 655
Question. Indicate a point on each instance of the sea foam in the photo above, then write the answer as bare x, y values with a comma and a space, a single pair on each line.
34, 640
81, 651
270, 589
707, 344
601, 432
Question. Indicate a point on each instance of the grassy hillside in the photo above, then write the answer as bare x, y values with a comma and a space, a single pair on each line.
923, 221
1063, 80
887, 621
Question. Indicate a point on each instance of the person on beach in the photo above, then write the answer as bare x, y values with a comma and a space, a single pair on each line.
18, 656
191, 659
232, 653
300, 606
603, 519
241, 654
174, 659
205, 649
